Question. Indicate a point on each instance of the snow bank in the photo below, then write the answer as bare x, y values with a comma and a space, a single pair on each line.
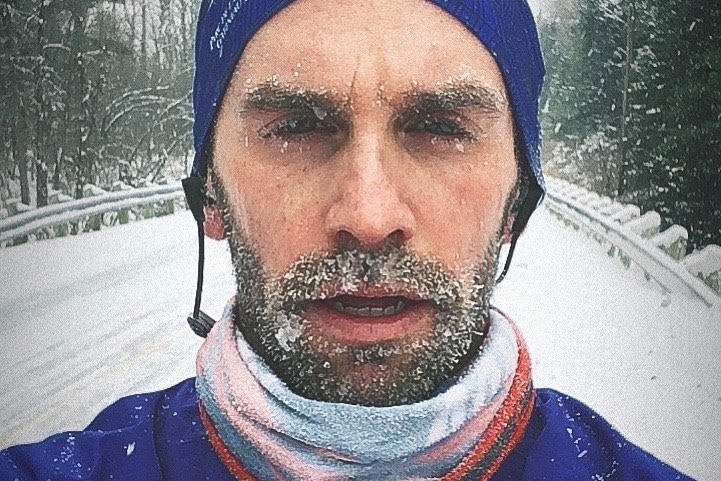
623, 232
101, 315
645, 359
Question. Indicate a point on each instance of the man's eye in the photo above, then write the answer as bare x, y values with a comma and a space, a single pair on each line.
443, 127
297, 126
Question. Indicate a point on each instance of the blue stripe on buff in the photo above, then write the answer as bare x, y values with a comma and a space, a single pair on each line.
505, 27
254, 421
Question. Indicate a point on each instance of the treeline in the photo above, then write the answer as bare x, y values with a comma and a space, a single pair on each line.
632, 105
93, 92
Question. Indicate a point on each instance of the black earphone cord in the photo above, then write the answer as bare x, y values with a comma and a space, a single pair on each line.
199, 322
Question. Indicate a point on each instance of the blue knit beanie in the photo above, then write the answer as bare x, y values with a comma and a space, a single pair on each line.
505, 27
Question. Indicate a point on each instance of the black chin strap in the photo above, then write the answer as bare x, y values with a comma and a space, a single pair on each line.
199, 322
528, 203
507, 265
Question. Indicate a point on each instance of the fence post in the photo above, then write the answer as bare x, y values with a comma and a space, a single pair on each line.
647, 225
95, 221
673, 241
706, 265
123, 214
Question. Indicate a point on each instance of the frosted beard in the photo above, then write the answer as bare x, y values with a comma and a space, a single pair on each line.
269, 312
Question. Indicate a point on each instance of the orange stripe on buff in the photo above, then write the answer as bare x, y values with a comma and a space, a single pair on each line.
522, 423
234, 466
515, 413
498, 440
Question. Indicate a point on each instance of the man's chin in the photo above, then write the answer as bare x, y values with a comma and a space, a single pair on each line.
371, 365
376, 375
335, 354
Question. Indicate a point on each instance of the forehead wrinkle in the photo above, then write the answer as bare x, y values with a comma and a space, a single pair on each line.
455, 96
274, 97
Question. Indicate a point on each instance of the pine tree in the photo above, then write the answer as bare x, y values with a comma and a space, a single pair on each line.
633, 108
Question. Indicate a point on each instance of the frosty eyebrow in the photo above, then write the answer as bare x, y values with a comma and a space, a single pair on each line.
270, 97
453, 97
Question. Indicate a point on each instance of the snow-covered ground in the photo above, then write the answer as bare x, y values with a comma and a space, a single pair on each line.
88, 319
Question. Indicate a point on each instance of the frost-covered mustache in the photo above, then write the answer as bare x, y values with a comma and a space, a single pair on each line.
388, 272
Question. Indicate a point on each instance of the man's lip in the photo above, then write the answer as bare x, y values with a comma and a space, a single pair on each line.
342, 325
371, 291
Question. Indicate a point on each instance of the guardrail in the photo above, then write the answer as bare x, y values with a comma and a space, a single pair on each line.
99, 208
635, 239
630, 236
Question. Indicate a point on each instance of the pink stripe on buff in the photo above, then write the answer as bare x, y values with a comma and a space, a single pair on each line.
244, 405
226, 381
263, 431
469, 433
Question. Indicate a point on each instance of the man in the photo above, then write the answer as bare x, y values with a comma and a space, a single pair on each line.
366, 160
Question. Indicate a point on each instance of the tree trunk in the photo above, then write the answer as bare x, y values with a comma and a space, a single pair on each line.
57, 169
24, 180
144, 35
41, 125
623, 130
22, 160
41, 177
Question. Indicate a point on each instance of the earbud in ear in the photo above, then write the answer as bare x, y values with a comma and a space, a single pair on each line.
507, 234
213, 224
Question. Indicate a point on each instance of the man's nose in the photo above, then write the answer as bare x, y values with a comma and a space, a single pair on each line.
370, 205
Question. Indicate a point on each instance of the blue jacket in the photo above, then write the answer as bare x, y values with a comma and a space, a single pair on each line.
159, 436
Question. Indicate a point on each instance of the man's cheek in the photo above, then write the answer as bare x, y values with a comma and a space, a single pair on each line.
285, 227
279, 240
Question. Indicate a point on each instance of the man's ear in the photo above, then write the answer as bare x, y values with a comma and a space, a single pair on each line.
507, 234
213, 224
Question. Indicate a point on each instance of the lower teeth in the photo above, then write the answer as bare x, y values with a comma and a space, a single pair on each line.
369, 311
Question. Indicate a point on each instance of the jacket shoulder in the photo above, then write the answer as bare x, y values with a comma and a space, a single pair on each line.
567, 440
121, 443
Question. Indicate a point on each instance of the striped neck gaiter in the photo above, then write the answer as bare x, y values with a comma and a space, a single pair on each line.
262, 431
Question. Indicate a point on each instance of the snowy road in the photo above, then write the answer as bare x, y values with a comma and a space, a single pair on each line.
90, 318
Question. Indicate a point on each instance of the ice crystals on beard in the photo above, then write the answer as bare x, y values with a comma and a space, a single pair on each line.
320, 113
290, 330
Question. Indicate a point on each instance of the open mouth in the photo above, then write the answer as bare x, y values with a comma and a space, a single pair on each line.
369, 318
369, 306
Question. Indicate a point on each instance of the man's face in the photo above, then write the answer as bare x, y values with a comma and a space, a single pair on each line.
364, 163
